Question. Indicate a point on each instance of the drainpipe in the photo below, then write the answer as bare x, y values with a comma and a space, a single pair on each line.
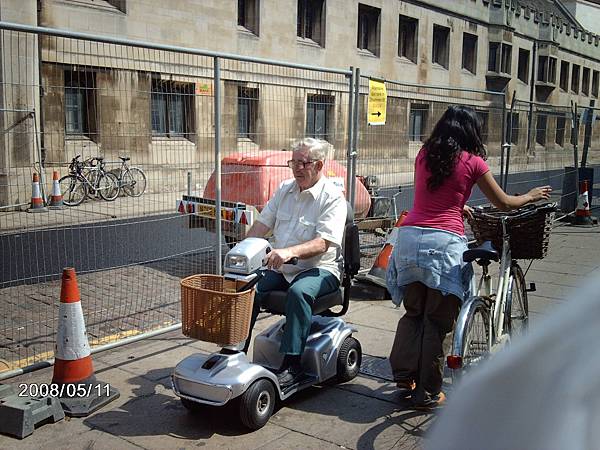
531, 90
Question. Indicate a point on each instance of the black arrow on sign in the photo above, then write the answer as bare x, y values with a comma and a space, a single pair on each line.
376, 114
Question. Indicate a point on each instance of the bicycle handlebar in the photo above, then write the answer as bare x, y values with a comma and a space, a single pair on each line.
517, 213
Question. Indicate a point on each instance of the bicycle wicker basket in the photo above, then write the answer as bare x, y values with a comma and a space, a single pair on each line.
213, 311
528, 229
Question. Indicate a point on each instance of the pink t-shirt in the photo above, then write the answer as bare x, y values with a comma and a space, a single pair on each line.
443, 207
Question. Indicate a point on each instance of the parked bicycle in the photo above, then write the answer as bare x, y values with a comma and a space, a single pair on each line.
85, 180
132, 180
489, 318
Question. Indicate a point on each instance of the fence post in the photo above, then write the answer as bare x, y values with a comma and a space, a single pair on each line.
354, 153
349, 174
503, 140
575, 142
217, 100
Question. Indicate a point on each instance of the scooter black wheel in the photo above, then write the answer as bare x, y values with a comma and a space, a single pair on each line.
257, 403
349, 360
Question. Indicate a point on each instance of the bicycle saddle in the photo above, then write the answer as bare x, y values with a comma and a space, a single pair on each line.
124, 158
484, 251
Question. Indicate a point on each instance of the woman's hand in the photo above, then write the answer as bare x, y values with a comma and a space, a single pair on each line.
467, 212
539, 193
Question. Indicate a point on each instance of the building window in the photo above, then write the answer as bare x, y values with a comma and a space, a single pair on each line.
484, 120
560, 130
523, 69
506, 65
575, 79
595, 80
585, 81
494, 57
547, 69
318, 115
247, 112
311, 20
514, 130
469, 52
80, 103
417, 122
248, 15
441, 46
564, 75
408, 33
172, 108
368, 28
540, 131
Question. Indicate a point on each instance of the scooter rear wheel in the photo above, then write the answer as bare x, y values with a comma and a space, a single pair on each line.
349, 360
257, 404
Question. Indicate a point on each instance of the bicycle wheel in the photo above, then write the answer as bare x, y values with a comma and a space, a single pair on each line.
134, 182
517, 307
73, 190
474, 338
108, 186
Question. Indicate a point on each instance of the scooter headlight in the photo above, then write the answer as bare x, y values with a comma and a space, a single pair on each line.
237, 262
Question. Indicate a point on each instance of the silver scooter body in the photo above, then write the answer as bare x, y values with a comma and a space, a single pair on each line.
217, 378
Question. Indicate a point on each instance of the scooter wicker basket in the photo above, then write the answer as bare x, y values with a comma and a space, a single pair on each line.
213, 311
529, 231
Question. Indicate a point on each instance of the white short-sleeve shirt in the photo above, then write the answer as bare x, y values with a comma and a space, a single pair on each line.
296, 217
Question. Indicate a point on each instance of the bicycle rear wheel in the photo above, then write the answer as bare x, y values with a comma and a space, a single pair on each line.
72, 189
134, 182
517, 307
474, 338
108, 186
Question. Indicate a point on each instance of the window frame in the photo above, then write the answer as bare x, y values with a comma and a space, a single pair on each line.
575, 79
565, 75
423, 110
440, 57
250, 98
408, 26
248, 12
472, 54
82, 85
559, 138
368, 38
310, 21
171, 99
324, 103
585, 81
523, 73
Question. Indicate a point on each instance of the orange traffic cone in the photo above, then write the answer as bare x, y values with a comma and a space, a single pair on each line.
37, 202
377, 273
56, 199
583, 215
73, 380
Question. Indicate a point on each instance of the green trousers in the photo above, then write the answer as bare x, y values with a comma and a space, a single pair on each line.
301, 294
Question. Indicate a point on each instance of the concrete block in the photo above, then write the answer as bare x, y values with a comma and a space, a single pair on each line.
20, 415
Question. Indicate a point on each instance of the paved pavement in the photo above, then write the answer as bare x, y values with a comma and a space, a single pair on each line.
365, 413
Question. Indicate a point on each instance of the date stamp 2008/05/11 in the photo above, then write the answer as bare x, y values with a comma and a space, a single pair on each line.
74, 390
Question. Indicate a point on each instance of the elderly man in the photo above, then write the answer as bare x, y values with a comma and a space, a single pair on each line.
307, 215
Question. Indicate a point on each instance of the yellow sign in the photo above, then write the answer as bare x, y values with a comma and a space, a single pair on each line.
377, 103
203, 88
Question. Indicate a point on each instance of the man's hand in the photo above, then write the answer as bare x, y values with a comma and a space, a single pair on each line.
468, 212
278, 257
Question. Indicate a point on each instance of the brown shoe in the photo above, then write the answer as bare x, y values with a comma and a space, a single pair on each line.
431, 402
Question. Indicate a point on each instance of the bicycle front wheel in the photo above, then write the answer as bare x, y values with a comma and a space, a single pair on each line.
72, 189
108, 186
134, 182
517, 307
472, 337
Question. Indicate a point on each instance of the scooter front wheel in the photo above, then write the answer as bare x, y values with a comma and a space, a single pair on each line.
349, 360
257, 404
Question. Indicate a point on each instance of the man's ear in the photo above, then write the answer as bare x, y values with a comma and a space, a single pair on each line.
320, 165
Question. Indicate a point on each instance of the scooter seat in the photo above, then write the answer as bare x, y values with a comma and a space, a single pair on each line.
275, 302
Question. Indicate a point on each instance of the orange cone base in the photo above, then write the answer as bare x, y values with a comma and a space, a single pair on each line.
97, 395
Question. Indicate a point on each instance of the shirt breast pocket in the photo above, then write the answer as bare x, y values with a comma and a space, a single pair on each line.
306, 229
282, 220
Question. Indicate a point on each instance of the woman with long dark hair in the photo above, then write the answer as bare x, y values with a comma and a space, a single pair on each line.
426, 270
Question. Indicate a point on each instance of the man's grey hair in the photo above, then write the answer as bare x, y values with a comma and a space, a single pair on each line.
317, 148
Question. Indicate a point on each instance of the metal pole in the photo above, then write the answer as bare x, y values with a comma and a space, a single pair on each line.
39, 155
531, 90
189, 184
349, 174
503, 139
575, 140
354, 153
587, 135
217, 101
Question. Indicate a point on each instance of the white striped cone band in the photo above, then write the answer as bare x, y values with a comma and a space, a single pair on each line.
71, 339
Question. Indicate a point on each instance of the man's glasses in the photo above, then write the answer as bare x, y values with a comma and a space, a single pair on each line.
294, 163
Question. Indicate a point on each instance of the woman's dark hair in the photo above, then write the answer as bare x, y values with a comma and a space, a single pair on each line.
458, 129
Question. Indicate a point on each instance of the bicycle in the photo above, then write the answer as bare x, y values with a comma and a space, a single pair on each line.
83, 181
132, 180
488, 319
